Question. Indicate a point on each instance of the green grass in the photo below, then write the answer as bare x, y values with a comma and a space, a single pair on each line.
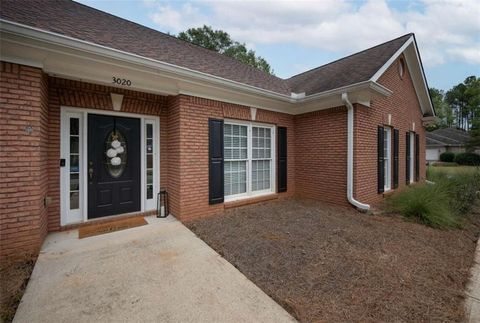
451, 169
443, 202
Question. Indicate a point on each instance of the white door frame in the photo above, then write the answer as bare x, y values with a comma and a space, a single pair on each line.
68, 216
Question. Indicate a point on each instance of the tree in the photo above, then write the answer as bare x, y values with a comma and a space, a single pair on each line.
220, 41
464, 101
472, 92
442, 109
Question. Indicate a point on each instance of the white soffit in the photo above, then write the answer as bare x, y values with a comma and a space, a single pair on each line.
71, 58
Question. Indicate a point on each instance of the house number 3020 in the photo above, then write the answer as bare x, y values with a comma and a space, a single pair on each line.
120, 81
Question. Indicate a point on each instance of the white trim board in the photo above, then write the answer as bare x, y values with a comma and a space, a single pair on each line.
273, 167
80, 215
414, 66
68, 57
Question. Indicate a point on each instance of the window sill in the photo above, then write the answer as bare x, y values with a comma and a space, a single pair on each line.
250, 200
389, 192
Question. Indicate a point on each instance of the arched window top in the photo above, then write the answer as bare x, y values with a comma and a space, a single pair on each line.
401, 67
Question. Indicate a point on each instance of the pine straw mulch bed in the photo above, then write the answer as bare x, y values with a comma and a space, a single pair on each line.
326, 263
14, 276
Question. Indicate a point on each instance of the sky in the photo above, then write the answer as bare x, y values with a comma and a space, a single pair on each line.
295, 36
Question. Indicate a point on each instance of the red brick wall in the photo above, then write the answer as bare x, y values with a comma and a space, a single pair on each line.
321, 155
86, 95
173, 152
404, 108
22, 159
183, 140
317, 144
192, 166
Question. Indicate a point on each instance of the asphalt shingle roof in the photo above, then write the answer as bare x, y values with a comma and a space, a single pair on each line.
348, 70
447, 137
88, 24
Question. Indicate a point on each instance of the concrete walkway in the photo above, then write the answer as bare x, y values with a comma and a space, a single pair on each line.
472, 302
158, 272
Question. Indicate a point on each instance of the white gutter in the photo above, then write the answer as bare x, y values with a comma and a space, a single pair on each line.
350, 127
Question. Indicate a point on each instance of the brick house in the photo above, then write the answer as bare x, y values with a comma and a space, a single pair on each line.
99, 113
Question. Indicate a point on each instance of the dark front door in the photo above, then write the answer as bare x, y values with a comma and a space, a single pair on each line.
113, 165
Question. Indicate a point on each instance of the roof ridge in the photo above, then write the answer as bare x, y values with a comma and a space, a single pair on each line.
353, 54
174, 38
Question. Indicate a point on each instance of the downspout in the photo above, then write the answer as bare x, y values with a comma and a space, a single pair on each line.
350, 197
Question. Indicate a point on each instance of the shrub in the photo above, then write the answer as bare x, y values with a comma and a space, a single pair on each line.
429, 204
443, 164
439, 204
447, 157
462, 188
470, 159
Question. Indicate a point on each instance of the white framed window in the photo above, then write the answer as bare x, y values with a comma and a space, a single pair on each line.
387, 157
412, 156
235, 148
248, 159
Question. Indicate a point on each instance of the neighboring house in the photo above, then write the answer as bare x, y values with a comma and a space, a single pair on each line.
98, 113
447, 139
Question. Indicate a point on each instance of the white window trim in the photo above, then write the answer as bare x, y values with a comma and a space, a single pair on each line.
68, 216
249, 193
412, 157
151, 204
387, 159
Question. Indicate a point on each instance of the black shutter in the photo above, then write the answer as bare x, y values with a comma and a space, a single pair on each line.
395, 158
417, 158
215, 155
282, 160
381, 161
407, 159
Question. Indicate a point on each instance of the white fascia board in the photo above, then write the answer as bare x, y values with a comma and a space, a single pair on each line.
419, 88
201, 84
54, 38
392, 59
424, 81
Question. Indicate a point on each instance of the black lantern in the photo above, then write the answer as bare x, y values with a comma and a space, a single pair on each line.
162, 201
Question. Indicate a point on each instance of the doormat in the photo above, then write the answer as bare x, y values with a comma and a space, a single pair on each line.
102, 228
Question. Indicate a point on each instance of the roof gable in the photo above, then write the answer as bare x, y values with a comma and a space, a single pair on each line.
352, 69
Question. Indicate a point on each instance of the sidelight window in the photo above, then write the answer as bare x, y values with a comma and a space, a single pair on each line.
74, 157
149, 154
